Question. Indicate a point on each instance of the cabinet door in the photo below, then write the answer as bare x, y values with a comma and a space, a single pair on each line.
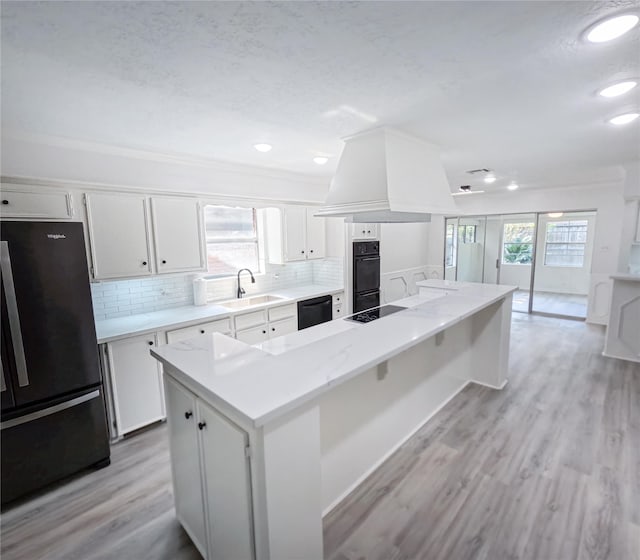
118, 235
23, 204
177, 228
316, 235
222, 326
285, 326
228, 486
136, 383
294, 233
185, 462
254, 335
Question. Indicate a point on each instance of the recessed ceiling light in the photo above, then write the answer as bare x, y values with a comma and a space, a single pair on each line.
320, 160
612, 28
513, 186
263, 147
490, 179
624, 119
618, 89
555, 214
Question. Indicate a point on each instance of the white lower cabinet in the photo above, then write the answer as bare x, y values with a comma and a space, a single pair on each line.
222, 326
212, 489
258, 326
136, 383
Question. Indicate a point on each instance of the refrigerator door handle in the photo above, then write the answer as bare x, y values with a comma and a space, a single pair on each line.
3, 385
48, 411
14, 317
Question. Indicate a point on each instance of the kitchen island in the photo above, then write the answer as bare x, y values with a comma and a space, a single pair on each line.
267, 439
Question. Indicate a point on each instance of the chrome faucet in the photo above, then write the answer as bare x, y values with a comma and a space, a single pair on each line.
240, 288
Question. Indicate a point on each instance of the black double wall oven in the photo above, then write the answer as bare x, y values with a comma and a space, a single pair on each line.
366, 275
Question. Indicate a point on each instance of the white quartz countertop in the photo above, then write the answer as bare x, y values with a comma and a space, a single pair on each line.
626, 276
260, 383
109, 330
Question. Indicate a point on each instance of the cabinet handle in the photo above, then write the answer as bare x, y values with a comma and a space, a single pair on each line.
201, 331
368, 231
264, 332
150, 342
273, 329
164, 262
188, 414
5, 201
144, 263
302, 252
201, 425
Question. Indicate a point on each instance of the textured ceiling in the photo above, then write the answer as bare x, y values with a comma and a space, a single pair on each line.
505, 85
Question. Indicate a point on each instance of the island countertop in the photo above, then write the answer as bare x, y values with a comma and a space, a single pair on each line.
261, 383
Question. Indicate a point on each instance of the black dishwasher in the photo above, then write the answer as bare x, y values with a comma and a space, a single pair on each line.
314, 311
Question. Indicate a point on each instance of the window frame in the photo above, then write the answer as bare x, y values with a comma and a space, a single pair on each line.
567, 243
451, 249
257, 238
529, 243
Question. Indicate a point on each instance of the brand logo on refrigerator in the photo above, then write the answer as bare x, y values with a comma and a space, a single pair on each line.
56, 236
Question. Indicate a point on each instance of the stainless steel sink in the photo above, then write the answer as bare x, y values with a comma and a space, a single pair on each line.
250, 301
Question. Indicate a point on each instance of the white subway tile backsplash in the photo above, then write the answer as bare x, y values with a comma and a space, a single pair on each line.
121, 298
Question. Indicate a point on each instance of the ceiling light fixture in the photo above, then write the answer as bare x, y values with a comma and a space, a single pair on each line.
618, 89
490, 179
624, 119
513, 186
555, 214
612, 28
263, 147
320, 160
464, 193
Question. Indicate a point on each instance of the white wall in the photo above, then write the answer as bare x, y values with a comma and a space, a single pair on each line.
516, 275
404, 258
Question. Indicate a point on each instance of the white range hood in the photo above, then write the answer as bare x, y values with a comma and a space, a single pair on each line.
387, 176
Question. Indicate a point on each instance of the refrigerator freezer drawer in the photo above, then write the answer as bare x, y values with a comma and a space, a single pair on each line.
53, 443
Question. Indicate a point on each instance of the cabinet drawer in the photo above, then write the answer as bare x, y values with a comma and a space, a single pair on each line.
248, 320
283, 327
254, 335
18, 204
338, 298
221, 326
283, 311
338, 311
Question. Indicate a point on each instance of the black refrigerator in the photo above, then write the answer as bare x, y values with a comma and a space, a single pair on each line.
53, 420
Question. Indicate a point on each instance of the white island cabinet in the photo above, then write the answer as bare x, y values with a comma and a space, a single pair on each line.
299, 424
212, 489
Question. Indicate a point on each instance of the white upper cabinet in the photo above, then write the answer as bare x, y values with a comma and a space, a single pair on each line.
119, 239
19, 203
132, 236
177, 229
364, 231
294, 234
316, 235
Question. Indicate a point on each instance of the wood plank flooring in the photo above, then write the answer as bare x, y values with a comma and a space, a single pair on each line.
547, 469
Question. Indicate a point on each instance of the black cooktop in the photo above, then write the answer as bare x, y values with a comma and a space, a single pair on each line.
375, 313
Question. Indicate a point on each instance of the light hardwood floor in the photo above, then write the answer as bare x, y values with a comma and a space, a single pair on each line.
571, 305
547, 469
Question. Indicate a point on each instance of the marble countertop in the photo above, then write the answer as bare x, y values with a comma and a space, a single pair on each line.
260, 383
109, 330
